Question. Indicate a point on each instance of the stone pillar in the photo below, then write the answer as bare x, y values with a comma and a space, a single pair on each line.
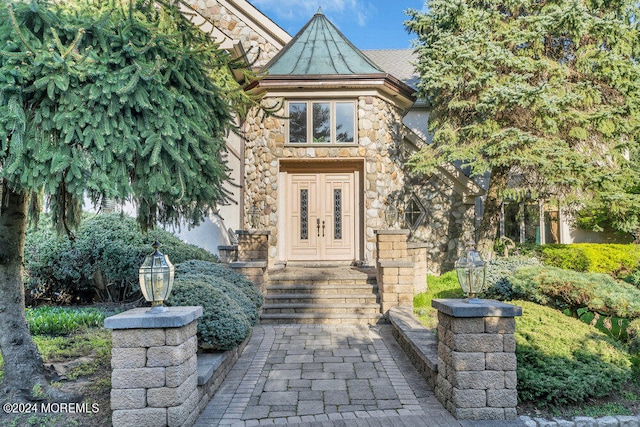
476, 359
153, 356
253, 254
394, 269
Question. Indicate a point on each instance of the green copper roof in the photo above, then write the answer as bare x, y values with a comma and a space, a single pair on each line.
320, 48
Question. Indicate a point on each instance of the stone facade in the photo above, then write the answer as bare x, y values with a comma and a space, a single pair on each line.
447, 219
259, 47
379, 126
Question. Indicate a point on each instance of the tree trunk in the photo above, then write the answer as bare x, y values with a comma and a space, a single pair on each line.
492, 206
23, 367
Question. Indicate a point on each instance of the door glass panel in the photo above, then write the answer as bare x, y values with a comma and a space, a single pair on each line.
337, 214
297, 122
304, 214
344, 121
321, 122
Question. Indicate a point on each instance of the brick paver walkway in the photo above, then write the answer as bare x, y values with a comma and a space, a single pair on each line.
343, 375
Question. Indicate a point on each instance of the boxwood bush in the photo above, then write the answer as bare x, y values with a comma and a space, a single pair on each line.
101, 264
228, 310
562, 360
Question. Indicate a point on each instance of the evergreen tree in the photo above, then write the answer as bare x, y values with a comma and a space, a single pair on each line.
117, 99
541, 95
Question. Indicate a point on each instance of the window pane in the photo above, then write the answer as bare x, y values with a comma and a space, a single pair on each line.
344, 121
321, 122
297, 122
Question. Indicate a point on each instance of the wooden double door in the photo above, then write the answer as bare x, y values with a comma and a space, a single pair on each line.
321, 216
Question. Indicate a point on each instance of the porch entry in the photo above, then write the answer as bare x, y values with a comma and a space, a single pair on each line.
321, 219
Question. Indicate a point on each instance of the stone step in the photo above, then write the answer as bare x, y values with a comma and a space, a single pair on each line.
324, 289
270, 308
337, 299
322, 318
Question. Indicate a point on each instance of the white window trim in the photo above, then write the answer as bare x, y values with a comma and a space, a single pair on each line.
332, 106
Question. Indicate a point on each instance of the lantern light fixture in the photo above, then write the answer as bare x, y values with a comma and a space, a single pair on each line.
156, 278
471, 270
254, 216
391, 215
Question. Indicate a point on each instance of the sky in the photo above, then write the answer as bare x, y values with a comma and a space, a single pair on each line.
368, 24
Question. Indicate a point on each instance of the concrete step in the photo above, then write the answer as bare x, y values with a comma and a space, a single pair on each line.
322, 318
271, 308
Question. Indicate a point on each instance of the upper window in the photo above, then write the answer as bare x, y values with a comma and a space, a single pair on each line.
321, 122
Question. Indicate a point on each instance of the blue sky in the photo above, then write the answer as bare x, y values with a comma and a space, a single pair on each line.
368, 24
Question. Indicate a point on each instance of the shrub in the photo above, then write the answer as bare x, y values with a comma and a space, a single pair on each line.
58, 321
224, 323
100, 264
616, 260
562, 360
499, 273
570, 257
225, 273
566, 289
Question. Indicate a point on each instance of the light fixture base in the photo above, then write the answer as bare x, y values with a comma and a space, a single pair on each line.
157, 309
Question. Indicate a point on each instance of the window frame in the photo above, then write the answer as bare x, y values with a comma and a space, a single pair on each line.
333, 118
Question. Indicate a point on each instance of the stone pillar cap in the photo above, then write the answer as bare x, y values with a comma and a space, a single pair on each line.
483, 308
140, 318
403, 231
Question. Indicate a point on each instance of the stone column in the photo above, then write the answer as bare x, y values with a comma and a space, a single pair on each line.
476, 359
394, 269
253, 256
153, 356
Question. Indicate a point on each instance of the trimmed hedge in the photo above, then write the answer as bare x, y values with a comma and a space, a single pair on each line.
613, 259
231, 304
562, 360
101, 264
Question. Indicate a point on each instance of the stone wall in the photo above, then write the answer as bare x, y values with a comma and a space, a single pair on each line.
379, 125
446, 221
258, 48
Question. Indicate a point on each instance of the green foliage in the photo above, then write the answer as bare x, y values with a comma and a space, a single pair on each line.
56, 321
562, 360
228, 311
115, 99
570, 257
224, 273
543, 95
443, 286
616, 260
566, 289
499, 272
100, 263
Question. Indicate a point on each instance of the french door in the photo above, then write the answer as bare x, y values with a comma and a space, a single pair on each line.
321, 216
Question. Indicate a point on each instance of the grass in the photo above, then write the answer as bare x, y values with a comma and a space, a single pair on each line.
84, 352
445, 286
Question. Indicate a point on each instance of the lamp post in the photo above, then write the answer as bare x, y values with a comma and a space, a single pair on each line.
254, 216
156, 279
471, 271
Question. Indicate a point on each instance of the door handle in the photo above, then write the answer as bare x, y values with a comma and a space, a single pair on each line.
318, 225
322, 228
